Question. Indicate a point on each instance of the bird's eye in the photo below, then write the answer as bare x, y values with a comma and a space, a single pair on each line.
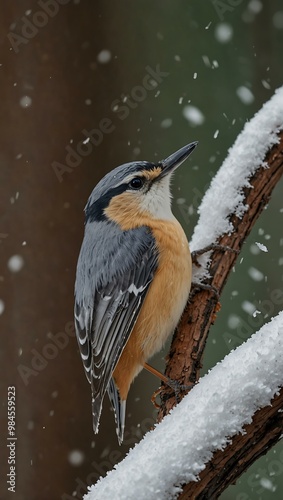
136, 183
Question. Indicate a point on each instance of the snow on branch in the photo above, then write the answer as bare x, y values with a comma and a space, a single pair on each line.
225, 195
215, 410
233, 202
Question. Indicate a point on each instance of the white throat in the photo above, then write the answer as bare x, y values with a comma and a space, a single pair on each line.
157, 201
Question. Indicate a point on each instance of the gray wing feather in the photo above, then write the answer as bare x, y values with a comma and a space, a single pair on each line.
114, 272
119, 407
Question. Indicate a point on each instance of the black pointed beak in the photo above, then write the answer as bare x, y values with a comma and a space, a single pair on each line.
176, 159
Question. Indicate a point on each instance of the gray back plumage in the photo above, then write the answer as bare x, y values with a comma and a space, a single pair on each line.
114, 271
107, 252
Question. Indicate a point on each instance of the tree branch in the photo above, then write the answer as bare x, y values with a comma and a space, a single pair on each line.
216, 411
227, 465
185, 357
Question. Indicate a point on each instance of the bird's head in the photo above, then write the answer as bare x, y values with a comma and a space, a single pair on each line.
134, 191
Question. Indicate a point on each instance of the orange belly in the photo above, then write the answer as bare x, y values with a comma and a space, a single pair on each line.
163, 305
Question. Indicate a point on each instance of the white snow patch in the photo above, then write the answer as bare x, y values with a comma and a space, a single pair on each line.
255, 274
15, 263
234, 321
25, 101
267, 484
76, 457
262, 247
266, 84
255, 6
256, 313
166, 123
226, 192
248, 307
223, 32
193, 115
245, 95
176, 451
104, 56
206, 61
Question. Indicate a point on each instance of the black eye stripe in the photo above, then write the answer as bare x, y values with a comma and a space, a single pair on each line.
95, 211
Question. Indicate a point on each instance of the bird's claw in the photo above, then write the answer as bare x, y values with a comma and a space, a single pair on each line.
206, 286
177, 388
213, 246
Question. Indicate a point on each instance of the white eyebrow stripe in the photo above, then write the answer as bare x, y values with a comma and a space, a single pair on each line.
129, 178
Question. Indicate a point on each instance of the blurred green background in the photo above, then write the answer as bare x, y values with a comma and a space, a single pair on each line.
221, 60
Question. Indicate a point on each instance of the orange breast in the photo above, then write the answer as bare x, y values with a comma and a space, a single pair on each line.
163, 305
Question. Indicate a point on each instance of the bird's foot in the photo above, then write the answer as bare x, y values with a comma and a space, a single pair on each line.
213, 246
205, 286
177, 388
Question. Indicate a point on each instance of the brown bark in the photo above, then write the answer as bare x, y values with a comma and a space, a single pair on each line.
185, 358
227, 465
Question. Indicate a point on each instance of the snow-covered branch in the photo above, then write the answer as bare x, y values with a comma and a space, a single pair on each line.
218, 408
227, 193
232, 204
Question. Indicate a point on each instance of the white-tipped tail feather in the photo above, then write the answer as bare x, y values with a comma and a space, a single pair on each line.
119, 407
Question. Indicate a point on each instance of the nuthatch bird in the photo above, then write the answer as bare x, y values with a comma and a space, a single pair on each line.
133, 278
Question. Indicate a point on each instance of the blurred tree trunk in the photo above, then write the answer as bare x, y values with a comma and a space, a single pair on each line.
42, 109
